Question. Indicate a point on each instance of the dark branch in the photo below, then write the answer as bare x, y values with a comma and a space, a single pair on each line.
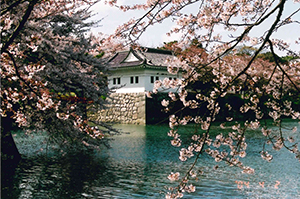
140, 19
280, 6
278, 64
8, 8
20, 26
18, 74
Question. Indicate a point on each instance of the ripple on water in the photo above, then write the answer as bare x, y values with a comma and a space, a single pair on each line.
138, 165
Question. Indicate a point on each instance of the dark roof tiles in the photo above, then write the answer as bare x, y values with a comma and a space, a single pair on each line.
147, 56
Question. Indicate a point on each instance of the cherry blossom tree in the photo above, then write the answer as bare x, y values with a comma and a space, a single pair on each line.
50, 74
215, 67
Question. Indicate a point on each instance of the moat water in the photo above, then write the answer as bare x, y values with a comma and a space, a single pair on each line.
138, 164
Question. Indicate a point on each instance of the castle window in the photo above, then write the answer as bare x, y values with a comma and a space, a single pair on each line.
116, 80
136, 79
131, 80
152, 79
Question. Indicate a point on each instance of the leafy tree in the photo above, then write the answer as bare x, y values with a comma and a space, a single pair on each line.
267, 85
271, 58
50, 77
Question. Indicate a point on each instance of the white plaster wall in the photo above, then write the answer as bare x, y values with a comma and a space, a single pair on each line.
125, 82
144, 80
161, 76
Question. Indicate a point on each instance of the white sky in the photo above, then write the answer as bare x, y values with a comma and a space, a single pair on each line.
156, 35
113, 17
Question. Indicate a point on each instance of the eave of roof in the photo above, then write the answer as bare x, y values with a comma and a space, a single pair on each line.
140, 66
151, 58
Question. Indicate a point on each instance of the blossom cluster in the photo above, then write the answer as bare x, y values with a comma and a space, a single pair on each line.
46, 58
214, 69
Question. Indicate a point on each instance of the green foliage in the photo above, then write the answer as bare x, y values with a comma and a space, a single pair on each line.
288, 58
269, 56
100, 55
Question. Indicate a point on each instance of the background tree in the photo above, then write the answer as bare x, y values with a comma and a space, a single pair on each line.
50, 76
267, 85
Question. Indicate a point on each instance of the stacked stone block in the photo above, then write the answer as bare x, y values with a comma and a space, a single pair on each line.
124, 108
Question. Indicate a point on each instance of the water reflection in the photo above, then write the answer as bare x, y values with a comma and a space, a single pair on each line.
137, 167
52, 178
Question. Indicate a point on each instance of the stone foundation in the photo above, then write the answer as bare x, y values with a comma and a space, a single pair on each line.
124, 108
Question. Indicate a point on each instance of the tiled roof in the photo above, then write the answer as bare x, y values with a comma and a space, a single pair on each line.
149, 57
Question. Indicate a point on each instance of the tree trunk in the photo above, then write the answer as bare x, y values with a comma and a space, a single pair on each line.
9, 150
10, 156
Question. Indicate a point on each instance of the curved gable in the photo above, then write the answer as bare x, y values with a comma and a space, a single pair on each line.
131, 57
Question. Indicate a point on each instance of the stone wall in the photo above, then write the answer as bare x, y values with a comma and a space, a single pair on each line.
124, 108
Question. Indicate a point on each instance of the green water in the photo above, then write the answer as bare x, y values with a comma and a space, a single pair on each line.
138, 164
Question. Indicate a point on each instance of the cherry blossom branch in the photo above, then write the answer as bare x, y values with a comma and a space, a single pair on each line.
7, 9
150, 22
288, 18
280, 6
140, 19
20, 26
183, 182
241, 37
277, 64
18, 74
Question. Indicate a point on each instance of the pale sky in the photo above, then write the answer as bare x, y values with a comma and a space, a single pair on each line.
113, 17
156, 35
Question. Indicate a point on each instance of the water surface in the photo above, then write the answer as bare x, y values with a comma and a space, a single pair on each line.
138, 164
